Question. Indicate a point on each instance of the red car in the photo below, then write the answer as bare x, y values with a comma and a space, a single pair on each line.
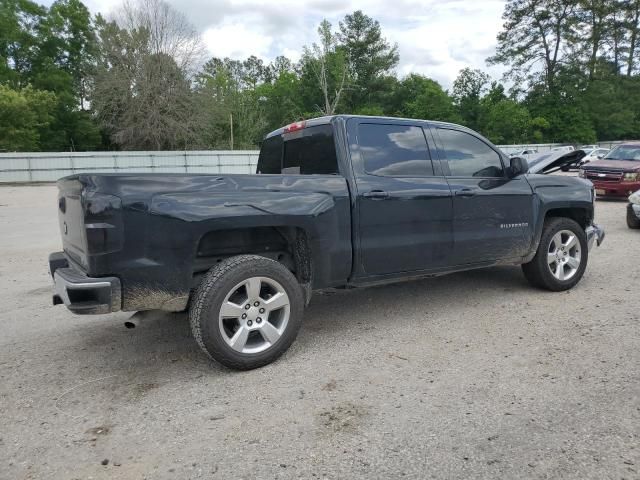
617, 174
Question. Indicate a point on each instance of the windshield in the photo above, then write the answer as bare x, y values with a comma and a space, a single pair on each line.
625, 152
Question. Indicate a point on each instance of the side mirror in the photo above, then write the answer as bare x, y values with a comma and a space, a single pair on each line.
600, 157
518, 166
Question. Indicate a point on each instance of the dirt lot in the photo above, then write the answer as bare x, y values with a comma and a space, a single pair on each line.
472, 375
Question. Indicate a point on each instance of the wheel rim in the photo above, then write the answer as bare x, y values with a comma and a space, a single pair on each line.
563, 255
254, 315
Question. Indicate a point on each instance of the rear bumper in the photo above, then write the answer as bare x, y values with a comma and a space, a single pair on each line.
595, 234
82, 294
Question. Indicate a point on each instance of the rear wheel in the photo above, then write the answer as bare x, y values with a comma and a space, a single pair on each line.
561, 257
247, 311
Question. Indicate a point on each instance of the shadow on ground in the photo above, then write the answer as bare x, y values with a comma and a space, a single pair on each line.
162, 342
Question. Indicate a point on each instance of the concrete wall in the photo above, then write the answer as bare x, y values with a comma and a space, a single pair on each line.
48, 167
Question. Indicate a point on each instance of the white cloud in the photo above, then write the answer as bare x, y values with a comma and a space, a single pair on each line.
435, 37
235, 40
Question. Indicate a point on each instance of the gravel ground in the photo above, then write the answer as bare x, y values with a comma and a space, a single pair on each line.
472, 375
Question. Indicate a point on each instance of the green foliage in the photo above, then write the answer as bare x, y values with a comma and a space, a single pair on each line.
24, 114
70, 81
19, 37
468, 90
325, 72
425, 98
507, 122
370, 58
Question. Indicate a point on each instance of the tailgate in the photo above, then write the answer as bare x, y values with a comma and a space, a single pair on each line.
71, 219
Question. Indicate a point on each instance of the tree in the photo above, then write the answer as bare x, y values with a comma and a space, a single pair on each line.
589, 32
68, 43
23, 115
507, 122
567, 114
325, 67
631, 9
63, 64
142, 93
169, 32
282, 103
369, 58
19, 25
425, 98
468, 89
532, 39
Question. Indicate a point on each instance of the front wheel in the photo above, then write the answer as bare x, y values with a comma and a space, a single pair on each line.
632, 220
561, 257
247, 311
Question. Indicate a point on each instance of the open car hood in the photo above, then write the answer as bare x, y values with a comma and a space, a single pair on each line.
549, 162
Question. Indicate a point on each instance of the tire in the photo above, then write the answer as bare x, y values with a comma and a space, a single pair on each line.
632, 221
266, 332
563, 273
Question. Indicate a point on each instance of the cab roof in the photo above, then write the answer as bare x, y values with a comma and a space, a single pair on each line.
327, 119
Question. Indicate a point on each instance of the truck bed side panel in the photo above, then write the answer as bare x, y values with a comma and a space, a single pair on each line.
166, 216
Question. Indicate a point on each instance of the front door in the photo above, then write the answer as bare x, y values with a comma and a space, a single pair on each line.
404, 207
492, 213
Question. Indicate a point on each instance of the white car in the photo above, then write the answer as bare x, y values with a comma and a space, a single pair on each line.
594, 154
524, 153
633, 210
566, 148
586, 148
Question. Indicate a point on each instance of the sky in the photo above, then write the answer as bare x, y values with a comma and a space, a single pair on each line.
436, 38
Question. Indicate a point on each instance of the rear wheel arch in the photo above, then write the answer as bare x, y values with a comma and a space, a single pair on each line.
288, 245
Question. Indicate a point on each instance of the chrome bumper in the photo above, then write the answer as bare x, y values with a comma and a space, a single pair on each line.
82, 294
595, 234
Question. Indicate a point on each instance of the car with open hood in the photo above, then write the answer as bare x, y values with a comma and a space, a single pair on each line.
556, 160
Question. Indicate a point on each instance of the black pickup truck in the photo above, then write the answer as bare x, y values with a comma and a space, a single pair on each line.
337, 201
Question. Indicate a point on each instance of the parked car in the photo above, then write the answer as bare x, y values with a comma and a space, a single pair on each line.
526, 153
633, 210
565, 148
555, 160
594, 154
587, 148
618, 173
339, 201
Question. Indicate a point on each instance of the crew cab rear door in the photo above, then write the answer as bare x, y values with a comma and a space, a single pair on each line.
492, 213
403, 202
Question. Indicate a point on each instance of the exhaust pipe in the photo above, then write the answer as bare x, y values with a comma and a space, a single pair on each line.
132, 322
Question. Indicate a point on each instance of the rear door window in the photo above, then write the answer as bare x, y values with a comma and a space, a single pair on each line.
394, 150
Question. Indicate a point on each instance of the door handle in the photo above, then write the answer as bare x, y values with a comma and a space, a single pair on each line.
465, 192
376, 194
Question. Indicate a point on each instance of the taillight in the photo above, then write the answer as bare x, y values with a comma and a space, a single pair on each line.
103, 223
295, 126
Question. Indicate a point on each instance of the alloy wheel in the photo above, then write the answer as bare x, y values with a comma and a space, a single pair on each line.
563, 255
254, 315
